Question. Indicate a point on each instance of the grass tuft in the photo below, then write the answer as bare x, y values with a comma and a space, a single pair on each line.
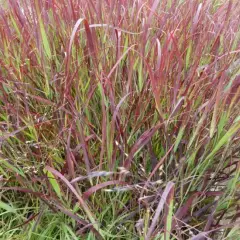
119, 119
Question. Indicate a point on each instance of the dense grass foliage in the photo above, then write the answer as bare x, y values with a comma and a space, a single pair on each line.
119, 119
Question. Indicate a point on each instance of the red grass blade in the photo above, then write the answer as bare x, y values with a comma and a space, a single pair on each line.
163, 200
99, 186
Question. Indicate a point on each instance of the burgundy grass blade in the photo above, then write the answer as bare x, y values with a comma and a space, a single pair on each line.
159, 209
141, 142
99, 186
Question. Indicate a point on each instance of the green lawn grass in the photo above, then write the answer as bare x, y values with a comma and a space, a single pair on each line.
119, 119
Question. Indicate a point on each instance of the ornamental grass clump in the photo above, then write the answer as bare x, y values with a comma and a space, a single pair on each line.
119, 119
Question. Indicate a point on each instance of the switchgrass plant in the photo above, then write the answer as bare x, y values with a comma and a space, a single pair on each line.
119, 119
